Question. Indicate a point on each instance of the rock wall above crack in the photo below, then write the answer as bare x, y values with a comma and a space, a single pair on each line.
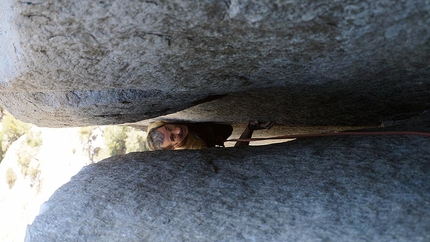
75, 63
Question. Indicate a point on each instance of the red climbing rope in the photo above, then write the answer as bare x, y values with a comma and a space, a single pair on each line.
296, 136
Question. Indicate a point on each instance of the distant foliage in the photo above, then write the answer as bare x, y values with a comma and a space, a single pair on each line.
10, 177
115, 139
13, 128
24, 160
33, 139
2, 152
87, 137
121, 140
85, 133
27, 152
136, 141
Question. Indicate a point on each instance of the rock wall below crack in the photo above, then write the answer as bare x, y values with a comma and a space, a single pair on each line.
336, 189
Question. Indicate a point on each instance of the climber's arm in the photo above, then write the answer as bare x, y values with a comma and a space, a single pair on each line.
249, 130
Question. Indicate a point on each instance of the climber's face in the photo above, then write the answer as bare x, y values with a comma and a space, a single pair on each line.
174, 135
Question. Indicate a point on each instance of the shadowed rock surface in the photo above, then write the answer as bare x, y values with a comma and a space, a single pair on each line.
317, 189
75, 63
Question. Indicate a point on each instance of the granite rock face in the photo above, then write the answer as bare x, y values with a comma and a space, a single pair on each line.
299, 62
318, 189
74, 63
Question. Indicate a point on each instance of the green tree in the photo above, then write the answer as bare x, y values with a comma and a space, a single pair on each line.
135, 140
13, 128
115, 139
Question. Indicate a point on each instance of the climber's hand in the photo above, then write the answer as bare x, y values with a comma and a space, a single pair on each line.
256, 125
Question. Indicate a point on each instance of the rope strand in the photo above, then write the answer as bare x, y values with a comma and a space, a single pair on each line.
426, 134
